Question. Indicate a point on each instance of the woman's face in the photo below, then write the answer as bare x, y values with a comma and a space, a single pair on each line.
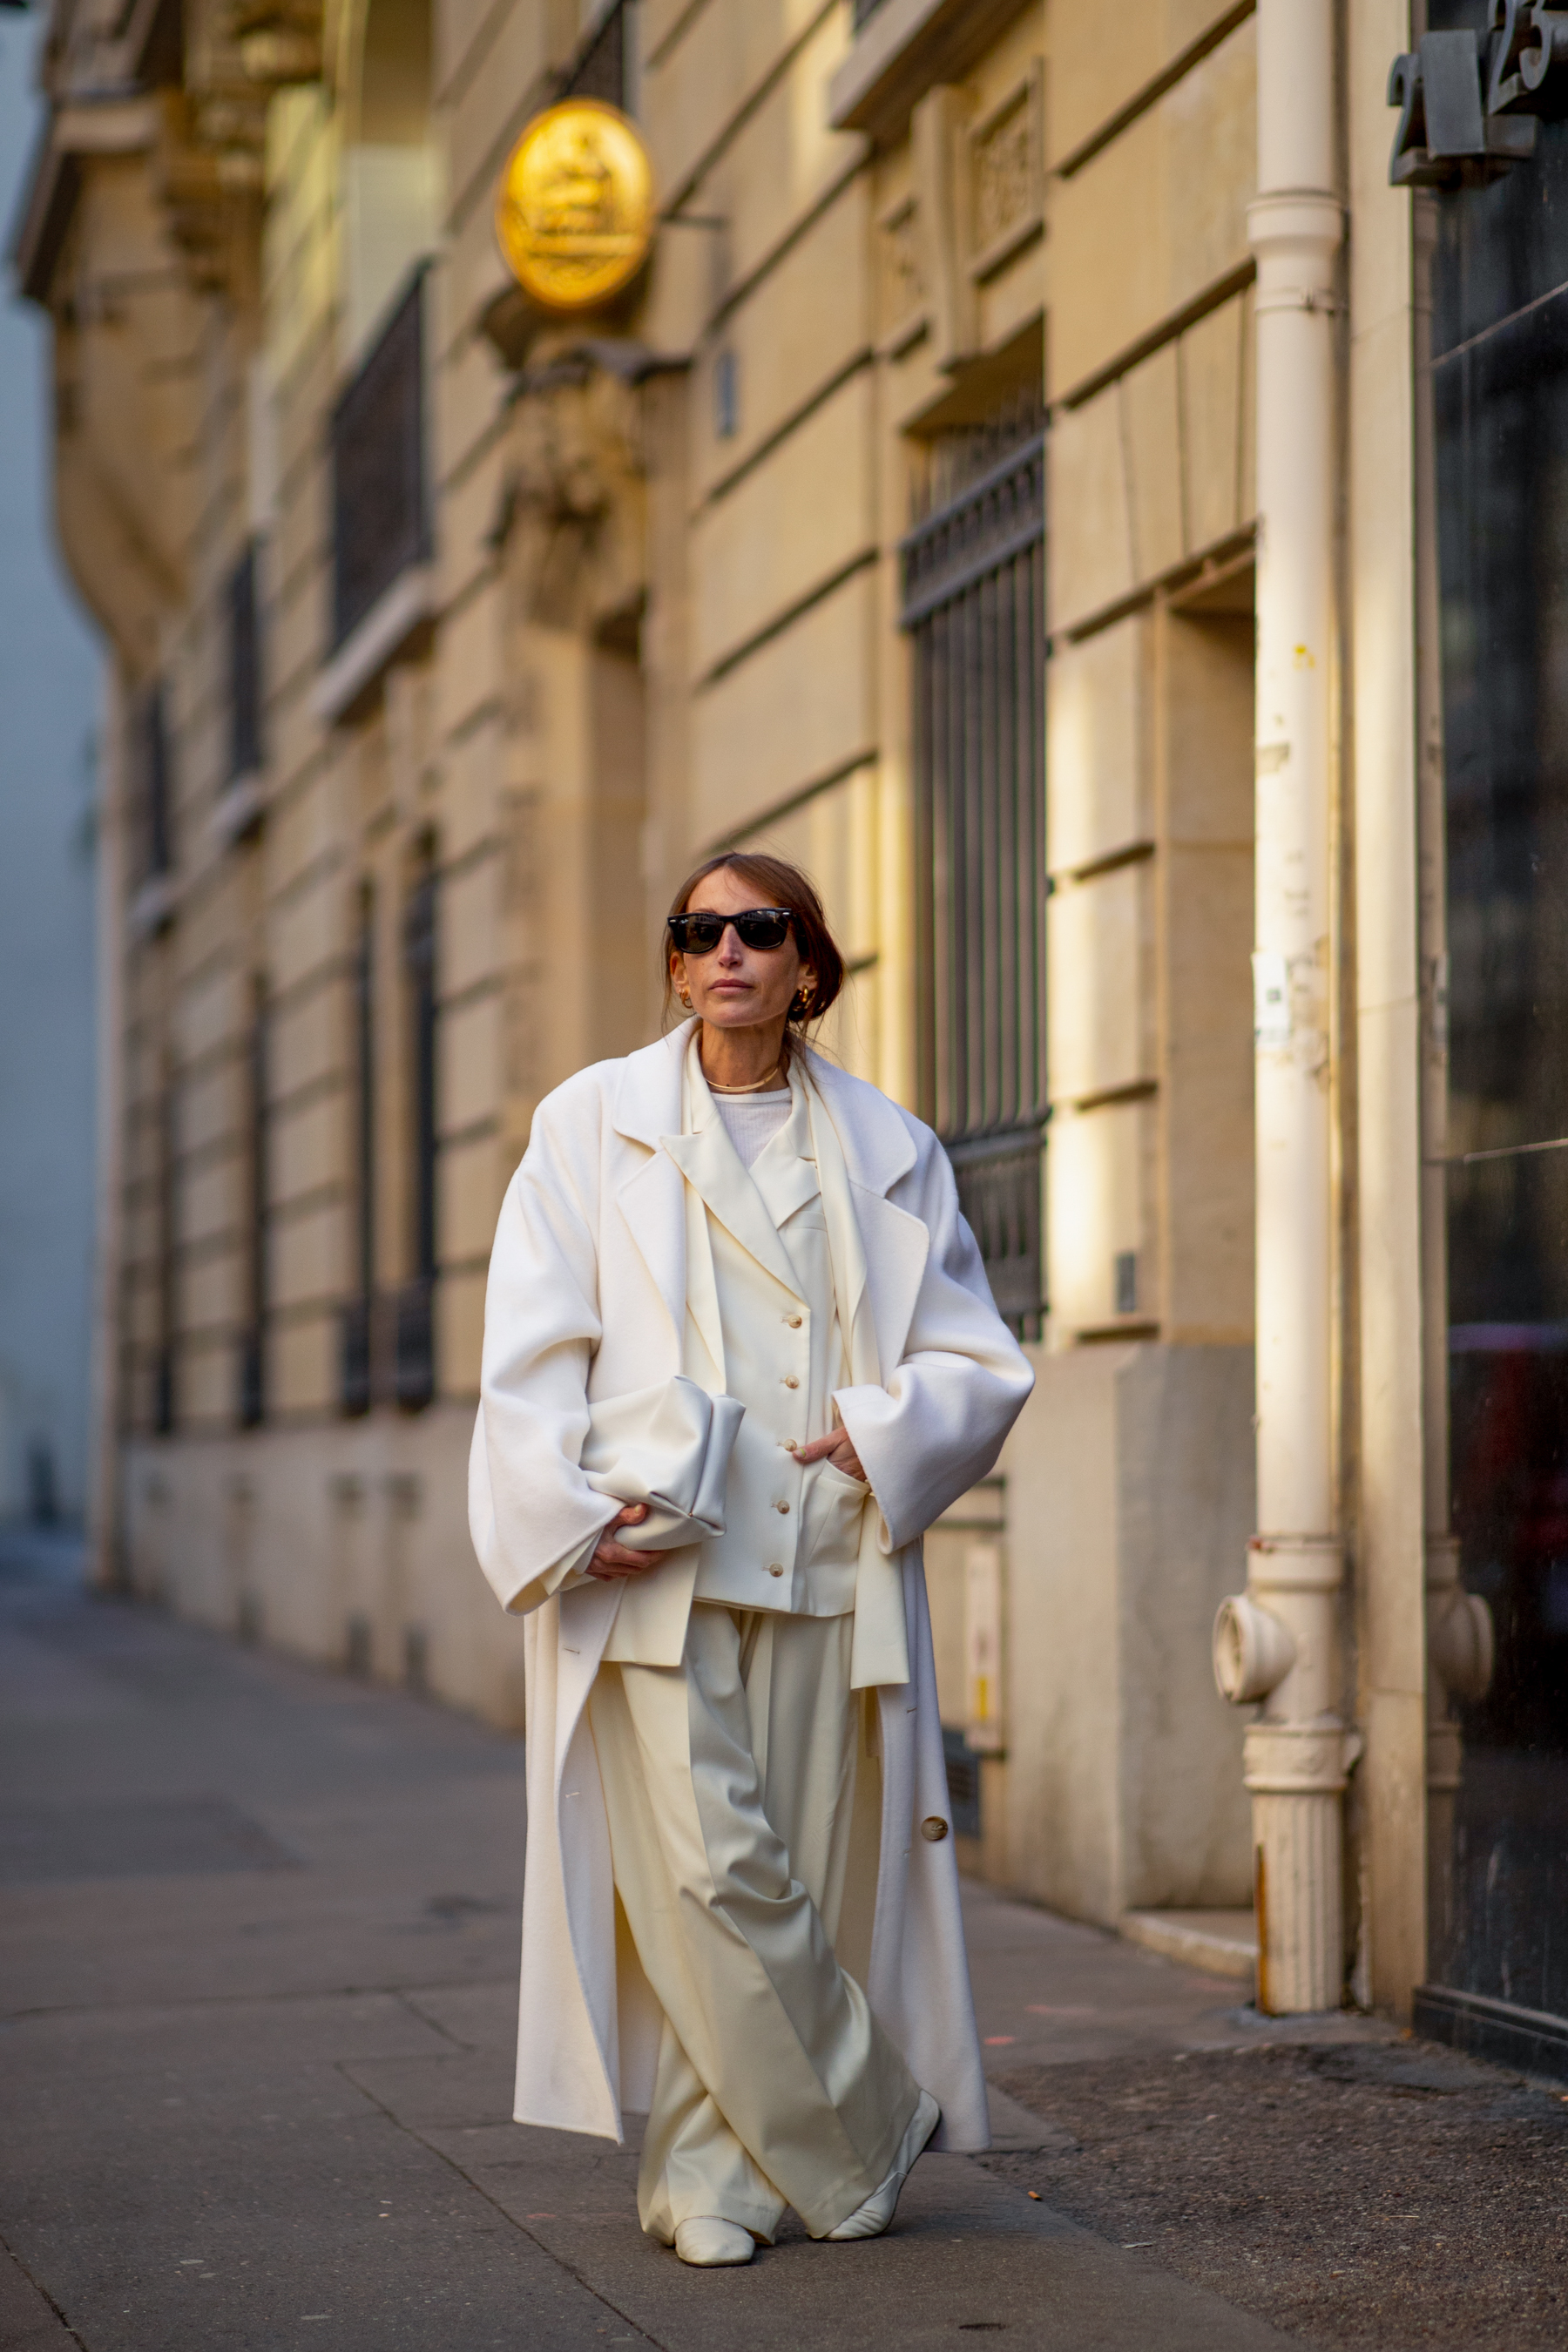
738, 987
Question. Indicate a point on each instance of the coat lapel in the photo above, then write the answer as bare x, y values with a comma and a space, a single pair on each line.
874, 1149
711, 1166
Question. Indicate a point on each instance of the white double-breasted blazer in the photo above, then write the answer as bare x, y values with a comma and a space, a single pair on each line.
586, 1300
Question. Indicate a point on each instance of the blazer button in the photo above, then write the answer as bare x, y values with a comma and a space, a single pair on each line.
794, 1321
781, 1506
934, 1828
790, 1381
776, 1568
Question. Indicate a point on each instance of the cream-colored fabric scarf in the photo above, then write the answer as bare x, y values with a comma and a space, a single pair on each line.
881, 1653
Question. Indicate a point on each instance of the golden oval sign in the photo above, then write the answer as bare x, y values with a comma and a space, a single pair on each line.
574, 206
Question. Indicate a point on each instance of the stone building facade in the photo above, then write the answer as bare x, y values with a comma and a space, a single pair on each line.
907, 515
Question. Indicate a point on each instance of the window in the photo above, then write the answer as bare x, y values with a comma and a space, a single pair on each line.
391, 176
244, 669
415, 1364
166, 1213
974, 599
381, 523
251, 1400
149, 785
358, 1322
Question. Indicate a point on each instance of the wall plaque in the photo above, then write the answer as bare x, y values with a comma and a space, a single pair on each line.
574, 206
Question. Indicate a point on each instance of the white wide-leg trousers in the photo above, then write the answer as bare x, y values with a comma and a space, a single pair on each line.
731, 1784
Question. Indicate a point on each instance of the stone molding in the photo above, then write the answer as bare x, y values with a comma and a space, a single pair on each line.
904, 49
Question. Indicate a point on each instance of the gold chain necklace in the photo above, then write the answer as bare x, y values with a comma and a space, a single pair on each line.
754, 1089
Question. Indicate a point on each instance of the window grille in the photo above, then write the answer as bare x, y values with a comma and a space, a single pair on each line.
973, 603
415, 1336
600, 68
381, 506
167, 1117
358, 1313
244, 669
252, 1368
150, 784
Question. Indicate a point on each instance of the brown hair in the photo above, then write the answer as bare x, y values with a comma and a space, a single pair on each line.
785, 885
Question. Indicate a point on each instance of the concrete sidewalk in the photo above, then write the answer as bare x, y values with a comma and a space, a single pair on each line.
258, 1975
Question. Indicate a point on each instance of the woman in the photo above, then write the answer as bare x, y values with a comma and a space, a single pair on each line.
740, 1354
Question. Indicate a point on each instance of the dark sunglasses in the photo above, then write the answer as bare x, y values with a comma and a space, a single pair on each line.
759, 926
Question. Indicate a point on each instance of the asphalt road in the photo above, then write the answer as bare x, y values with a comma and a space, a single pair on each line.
258, 1952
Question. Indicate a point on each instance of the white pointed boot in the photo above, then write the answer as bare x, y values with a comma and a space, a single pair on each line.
869, 2221
709, 2244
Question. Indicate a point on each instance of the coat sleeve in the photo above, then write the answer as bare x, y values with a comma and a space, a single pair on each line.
937, 1424
531, 1512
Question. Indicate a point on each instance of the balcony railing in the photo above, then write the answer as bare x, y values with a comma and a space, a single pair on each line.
244, 669
414, 1358
355, 1370
252, 1398
151, 782
599, 70
381, 506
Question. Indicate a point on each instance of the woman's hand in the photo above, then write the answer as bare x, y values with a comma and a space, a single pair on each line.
838, 1448
611, 1558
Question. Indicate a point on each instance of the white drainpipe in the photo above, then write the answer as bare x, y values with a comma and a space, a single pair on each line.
1281, 1642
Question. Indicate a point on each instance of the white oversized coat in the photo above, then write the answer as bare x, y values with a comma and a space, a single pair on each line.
588, 1299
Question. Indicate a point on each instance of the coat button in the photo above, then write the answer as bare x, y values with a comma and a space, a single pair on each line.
776, 1568
934, 1828
781, 1506
794, 1321
790, 1381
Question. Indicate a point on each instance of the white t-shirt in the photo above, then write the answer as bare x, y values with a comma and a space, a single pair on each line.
751, 1121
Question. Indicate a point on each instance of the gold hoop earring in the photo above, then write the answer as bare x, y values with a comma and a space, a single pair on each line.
686, 999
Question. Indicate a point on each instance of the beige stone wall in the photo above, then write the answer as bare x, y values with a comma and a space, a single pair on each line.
660, 627
1130, 1474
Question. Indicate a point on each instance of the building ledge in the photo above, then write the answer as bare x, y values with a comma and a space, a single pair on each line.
1221, 1943
153, 908
904, 48
109, 123
401, 616
238, 811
